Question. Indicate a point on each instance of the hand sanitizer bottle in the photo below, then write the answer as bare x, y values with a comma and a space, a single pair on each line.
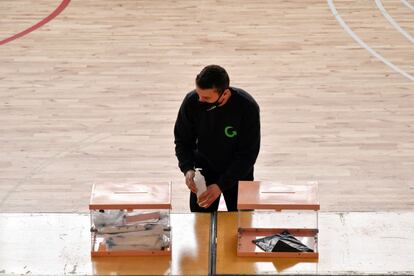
200, 182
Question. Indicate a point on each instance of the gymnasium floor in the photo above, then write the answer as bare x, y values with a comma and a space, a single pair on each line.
92, 95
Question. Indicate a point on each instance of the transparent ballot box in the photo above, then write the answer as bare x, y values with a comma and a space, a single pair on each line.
130, 219
278, 220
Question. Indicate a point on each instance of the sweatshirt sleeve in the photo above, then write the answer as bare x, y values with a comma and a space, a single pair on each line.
184, 137
247, 152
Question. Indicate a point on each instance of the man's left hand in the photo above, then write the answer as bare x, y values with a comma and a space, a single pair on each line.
208, 197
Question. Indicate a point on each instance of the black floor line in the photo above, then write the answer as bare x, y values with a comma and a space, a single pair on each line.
213, 245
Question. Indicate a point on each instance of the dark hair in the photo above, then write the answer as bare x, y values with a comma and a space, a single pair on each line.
213, 76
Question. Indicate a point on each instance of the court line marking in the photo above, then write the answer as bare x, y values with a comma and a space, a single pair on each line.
408, 4
39, 24
393, 22
363, 44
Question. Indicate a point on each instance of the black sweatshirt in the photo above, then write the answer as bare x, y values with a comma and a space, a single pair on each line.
228, 137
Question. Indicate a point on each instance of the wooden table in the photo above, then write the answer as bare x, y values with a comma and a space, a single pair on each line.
57, 244
349, 243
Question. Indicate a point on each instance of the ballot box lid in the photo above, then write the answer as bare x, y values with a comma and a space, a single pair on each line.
130, 195
254, 195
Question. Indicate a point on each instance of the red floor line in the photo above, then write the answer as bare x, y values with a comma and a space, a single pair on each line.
51, 16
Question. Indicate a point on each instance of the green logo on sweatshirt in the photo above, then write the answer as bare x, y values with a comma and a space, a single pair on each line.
230, 133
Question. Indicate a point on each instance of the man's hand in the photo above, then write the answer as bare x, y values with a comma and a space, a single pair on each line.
208, 197
189, 180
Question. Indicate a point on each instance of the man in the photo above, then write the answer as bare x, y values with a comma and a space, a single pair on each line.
218, 130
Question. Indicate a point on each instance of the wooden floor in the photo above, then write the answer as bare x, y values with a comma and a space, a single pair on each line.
93, 95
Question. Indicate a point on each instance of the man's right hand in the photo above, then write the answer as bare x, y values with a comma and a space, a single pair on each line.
189, 180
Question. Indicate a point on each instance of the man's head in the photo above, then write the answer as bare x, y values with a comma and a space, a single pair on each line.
212, 85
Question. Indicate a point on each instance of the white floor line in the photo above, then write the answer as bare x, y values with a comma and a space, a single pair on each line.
363, 44
392, 21
408, 4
